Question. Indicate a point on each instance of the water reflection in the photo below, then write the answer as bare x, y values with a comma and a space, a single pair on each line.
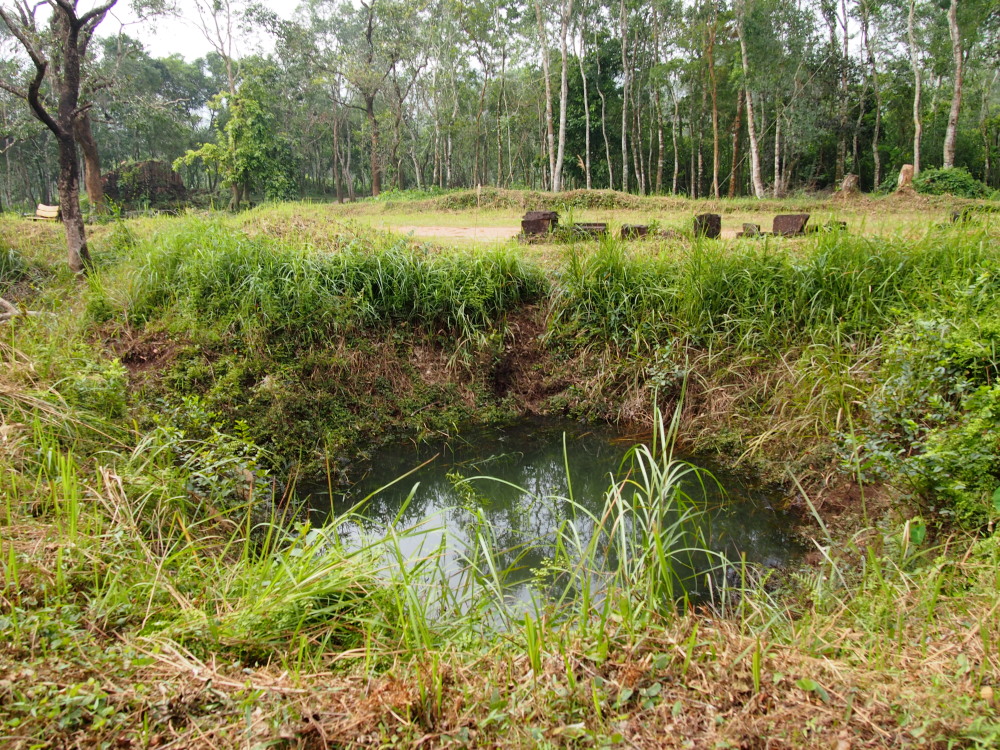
524, 502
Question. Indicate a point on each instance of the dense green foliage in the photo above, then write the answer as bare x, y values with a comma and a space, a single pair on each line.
955, 181
447, 95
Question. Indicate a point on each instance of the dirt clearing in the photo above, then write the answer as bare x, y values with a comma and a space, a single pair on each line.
460, 233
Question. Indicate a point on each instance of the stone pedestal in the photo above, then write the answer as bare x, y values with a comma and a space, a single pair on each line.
708, 225
539, 222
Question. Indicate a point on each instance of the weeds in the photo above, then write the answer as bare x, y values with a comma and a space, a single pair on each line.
148, 596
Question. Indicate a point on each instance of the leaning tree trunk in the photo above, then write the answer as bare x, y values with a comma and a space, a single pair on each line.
91, 162
956, 96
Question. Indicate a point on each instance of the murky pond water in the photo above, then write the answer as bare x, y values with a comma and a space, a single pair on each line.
514, 481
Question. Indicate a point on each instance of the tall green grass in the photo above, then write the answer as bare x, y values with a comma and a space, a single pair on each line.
765, 296
268, 290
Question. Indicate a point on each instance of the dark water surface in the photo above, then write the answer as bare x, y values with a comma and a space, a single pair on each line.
523, 502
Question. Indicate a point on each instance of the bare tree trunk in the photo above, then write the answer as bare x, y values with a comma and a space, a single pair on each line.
336, 160
956, 96
567, 10
604, 128
623, 28
777, 154
915, 64
373, 124
543, 42
586, 110
91, 162
674, 134
876, 90
735, 169
659, 140
715, 106
758, 183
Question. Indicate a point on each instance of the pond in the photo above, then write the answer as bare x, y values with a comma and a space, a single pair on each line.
511, 483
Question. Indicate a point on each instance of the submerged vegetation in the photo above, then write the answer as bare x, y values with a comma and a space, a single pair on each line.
159, 589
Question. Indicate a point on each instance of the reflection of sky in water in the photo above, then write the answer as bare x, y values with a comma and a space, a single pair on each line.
523, 502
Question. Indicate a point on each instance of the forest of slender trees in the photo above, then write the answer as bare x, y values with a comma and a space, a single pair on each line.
705, 99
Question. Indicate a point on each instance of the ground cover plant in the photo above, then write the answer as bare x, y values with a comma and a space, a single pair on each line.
159, 590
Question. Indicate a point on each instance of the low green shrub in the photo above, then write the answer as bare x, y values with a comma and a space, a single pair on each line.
953, 181
959, 468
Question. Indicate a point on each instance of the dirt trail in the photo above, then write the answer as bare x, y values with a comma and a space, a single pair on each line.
460, 233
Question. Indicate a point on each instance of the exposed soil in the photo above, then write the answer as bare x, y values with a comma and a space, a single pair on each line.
461, 233
521, 373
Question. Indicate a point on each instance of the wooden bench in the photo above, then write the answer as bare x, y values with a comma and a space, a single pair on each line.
45, 213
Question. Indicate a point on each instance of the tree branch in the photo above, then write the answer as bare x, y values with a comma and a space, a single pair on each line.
9, 311
10, 88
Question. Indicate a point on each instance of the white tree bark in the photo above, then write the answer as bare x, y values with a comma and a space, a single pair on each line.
758, 183
567, 10
956, 95
915, 64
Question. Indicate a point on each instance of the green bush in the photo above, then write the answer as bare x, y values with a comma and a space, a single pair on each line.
954, 181
959, 469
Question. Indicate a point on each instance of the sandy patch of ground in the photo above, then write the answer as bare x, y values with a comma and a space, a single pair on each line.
460, 233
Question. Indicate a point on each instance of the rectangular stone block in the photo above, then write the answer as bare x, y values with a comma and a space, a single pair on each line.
634, 231
708, 225
789, 225
590, 229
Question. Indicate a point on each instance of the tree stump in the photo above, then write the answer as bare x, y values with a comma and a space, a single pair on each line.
850, 185
708, 225
905, 181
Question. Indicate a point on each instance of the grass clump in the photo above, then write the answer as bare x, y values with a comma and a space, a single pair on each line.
764, 297
292, 296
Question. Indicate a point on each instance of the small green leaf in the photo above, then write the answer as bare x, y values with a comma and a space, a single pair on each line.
811, 686
996, 499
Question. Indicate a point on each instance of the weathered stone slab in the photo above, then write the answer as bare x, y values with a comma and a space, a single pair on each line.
750, 230
539, 222
634, 231
534, 215
536, 226
708, 225
590, 229
790, 225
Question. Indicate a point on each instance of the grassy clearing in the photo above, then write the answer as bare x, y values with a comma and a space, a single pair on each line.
155, 592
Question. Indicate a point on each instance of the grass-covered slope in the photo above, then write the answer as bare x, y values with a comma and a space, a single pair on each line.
155, 591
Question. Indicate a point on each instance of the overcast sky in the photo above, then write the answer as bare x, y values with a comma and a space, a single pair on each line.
168, 35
